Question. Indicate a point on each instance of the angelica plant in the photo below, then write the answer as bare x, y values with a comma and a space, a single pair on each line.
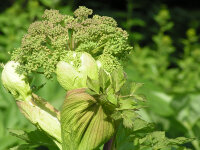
84, 52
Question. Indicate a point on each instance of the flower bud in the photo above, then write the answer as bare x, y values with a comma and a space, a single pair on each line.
15, 83
73, 75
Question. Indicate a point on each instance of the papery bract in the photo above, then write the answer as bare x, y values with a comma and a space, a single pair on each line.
71, 76
15, 83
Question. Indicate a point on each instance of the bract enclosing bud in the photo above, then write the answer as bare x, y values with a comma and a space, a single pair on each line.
73, 75
15, 83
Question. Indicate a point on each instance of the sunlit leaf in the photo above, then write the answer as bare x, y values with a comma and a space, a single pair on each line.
85, 124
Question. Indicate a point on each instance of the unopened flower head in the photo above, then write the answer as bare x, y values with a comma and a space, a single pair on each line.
73, 70
15, 83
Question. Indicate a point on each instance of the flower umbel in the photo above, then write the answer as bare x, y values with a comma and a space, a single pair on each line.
48, 40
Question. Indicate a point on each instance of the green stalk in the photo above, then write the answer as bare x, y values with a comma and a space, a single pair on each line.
44, 116
110, 144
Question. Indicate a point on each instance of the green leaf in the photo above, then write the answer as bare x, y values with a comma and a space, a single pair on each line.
143, 137
104, 79
84, 123
157, 140
90, 92
122, 140
112, 98
141, 126
128, 118
127, 104
135, 87
159, 102
93, 85
34, 137
24, 147
50, 4
118, 79
127, 139
117, 115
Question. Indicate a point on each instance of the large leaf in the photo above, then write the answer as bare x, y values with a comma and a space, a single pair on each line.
85, 124
123, 139
158, 140
34, 137
142, 137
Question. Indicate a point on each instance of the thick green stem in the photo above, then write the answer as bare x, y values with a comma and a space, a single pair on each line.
44, 116
108, 145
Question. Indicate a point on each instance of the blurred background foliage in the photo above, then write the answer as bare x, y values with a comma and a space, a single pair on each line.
166, 58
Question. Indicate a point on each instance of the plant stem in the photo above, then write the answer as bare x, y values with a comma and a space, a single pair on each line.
43, 115
108, 145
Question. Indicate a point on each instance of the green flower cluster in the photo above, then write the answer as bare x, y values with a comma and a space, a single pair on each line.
57, 35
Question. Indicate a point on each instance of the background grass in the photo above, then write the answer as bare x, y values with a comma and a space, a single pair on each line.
166, 58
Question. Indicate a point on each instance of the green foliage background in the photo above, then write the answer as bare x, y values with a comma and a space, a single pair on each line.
166, 59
